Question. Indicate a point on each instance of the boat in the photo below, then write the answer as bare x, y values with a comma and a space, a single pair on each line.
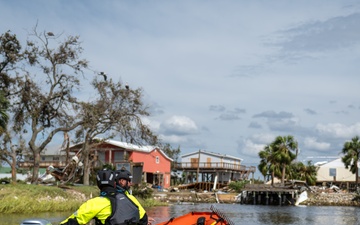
200, 218
35, 222
302, 197
213, 217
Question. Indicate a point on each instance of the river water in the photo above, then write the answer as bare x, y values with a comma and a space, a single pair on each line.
239, 214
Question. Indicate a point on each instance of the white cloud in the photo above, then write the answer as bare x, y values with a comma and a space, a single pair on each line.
179, 125
339, 130
312, 143
250, 148
220, 64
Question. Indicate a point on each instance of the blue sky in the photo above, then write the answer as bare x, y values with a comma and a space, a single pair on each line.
222, 76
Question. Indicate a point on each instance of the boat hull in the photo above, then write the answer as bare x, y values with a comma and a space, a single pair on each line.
197, 218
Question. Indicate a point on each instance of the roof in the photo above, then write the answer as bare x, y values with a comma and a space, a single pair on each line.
128, 146
213, 154
334, 163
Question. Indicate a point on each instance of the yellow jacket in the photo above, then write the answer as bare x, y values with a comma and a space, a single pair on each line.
99, 207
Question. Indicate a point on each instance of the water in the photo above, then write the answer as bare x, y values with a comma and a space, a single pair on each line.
270, 215
239, 214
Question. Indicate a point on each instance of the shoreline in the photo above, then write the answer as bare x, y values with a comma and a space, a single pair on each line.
19, 198
315, 199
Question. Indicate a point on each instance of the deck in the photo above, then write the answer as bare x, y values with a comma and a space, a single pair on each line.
217, 167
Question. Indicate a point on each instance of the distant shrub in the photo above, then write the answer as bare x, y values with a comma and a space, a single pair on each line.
142, 192
238, 185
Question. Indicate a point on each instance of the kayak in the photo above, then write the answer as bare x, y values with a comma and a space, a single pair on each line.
200, 218
212, 217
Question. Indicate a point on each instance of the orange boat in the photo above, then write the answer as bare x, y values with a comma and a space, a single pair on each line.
192, 218
200, 218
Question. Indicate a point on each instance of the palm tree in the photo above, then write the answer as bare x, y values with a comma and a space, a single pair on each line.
351, 151
284, 152
268, 164
265, 161
300, 171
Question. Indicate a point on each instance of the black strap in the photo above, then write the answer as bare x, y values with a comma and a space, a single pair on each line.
110, 193
71, 221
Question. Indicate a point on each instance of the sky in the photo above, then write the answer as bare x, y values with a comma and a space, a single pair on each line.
222, 76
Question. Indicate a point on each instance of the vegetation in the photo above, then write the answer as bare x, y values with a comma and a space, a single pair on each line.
19, 198
40, 82
238, 185
4, 117
351, 151
172, 153
278, 159
300, 171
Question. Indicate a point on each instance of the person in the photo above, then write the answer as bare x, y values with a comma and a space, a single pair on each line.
109, 207
130, 206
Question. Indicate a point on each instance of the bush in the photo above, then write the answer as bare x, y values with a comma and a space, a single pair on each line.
143, 193
238, 185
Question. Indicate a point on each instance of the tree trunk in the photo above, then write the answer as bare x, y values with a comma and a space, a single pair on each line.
85, 157
13, 171
357, 175
35, 174
283, 175
13, 165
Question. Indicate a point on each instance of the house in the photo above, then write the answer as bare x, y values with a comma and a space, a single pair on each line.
51, 156
334, 172
208, 166
147, 163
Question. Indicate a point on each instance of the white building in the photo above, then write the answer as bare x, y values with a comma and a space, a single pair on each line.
204, 166
334, 172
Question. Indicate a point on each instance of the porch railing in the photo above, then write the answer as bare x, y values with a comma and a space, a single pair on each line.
214, 165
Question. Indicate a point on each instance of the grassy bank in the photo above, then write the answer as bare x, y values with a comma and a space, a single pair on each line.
19, 198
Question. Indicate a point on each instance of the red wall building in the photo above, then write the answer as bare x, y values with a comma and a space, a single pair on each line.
147, 163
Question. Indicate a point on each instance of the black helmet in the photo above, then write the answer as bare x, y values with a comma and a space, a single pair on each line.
122, 174
105, 178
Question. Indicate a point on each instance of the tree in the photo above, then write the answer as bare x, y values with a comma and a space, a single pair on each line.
265, 163
4, 117
41, 83
115, 111
351, 151
41, 93
277, 157
300, 171
171, 153
9, 56
268, 164
284, 151
10, 152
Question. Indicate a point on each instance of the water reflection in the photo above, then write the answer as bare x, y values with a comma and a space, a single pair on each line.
239, 214
16, 219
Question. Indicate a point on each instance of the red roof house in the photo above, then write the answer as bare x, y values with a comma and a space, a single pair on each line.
147, 163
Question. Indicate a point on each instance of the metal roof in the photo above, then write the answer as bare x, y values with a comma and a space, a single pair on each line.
213, 154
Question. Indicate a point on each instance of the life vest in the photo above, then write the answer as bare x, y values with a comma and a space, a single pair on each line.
124, 210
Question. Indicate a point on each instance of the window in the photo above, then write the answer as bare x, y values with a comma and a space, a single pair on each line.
56, 158
157, 159
118, 156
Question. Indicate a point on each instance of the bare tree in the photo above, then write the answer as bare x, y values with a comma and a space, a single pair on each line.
10, 151
115, 111
40, 83
44, 103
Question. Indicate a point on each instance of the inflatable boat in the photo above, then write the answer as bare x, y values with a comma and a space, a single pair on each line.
212, 217
200, 218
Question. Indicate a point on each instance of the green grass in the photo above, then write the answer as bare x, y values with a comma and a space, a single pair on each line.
149, 202
19, 198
